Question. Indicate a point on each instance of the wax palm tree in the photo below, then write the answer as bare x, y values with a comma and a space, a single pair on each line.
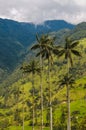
47, 53
41, 44
68, 50
32, 68
66, 80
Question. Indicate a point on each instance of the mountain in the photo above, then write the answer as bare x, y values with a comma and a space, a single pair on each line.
80, 26
79, 31
25, 32
53, 25
15, 37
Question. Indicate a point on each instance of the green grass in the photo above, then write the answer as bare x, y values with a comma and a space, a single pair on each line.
26, 128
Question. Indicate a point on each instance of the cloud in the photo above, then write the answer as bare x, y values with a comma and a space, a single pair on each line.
37, 11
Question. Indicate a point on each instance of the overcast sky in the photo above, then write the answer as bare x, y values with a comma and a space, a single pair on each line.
37, 11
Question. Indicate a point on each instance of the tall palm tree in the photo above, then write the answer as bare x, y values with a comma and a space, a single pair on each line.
68, 50
41, 43
47, 53
67, 81
32, 68
16, 92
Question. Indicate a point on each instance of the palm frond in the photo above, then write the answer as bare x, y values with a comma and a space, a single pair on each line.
77, 53
74, 44
39, 53
34, 47
37, 38
61, 53
70, 58
55, 50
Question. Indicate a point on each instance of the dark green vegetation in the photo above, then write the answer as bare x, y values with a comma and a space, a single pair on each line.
16, 98
16, 37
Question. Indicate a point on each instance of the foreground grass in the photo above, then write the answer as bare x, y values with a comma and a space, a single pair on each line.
26, 128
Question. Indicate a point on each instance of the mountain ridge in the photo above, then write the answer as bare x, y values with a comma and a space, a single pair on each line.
16, 37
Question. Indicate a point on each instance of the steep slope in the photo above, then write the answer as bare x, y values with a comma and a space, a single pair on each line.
25, 32
19, 96
79, 31
15, 37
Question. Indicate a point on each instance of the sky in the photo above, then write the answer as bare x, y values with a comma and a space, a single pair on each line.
37, 11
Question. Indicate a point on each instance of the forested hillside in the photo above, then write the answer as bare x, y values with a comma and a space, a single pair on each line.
16, 37
16, 101
46, 88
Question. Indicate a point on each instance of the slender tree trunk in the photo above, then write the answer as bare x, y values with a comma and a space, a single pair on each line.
41, 107
23, 109
17, 100
68, 102
50, 102
68, 108
41, 90
23, 118
33, 101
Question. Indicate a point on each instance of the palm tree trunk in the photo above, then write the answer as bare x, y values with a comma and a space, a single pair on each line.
23, 118
68, 102
23, 109
41, 106
68, 108
41, 90
33, 101
50, 102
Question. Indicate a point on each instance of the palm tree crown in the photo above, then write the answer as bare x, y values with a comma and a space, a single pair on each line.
45, 44
66, 80
69, 49
32, 67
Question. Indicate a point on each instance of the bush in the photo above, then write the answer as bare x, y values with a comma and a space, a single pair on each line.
4, 124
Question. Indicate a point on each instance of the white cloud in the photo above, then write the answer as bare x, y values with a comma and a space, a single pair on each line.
81, 2
39, 10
